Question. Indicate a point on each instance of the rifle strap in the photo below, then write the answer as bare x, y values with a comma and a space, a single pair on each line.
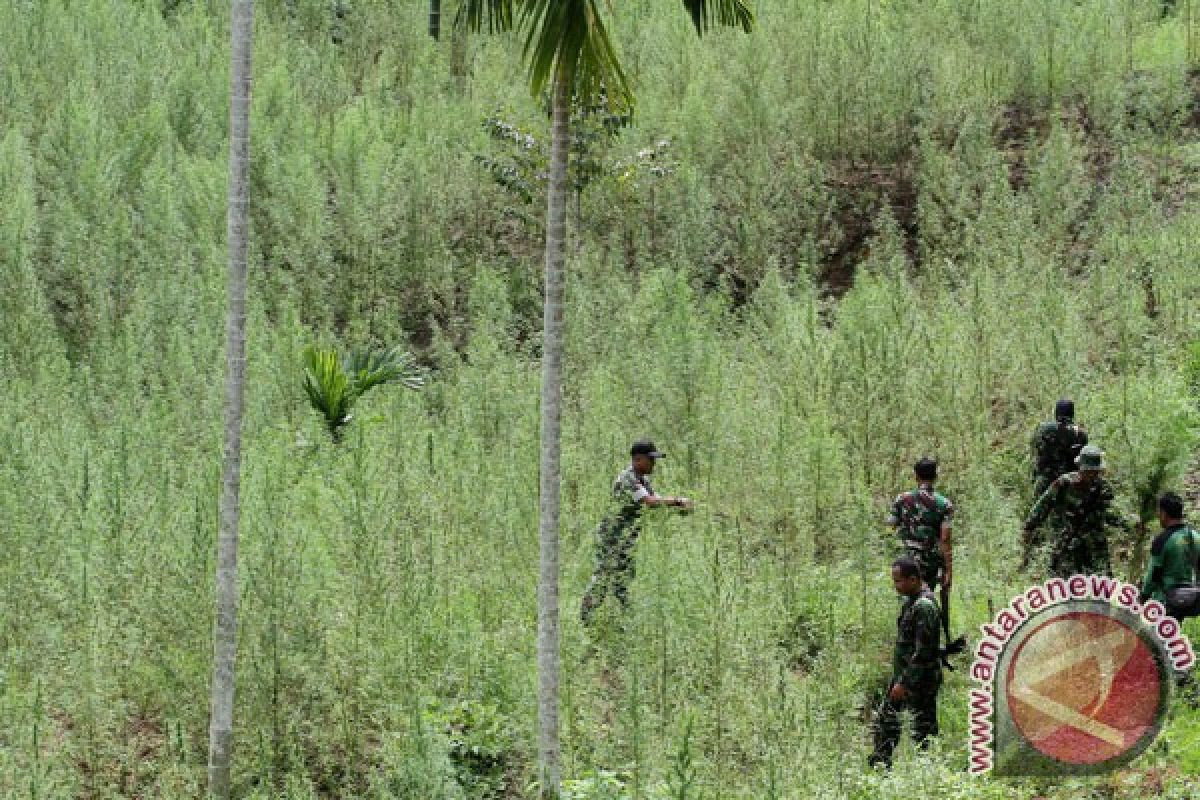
1192, 555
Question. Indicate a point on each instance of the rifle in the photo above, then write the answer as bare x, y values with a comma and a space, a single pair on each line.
952, 648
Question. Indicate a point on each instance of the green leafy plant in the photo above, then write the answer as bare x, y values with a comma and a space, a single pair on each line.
481, 747
521, 167
602, 784
1152, 426
333, 386
1191, 368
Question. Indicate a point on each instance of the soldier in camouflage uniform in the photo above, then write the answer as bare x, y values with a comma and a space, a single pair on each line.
1056, 446
1079, 505
619, 531
922, 519
916, 665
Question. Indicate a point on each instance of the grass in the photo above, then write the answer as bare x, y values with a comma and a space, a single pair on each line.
1008, 209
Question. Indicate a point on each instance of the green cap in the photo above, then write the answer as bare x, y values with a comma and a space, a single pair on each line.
1091, 459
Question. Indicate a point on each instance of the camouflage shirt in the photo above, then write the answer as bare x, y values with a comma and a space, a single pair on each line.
918, 641
1072, 505
1055, 446
629, 489
918, 517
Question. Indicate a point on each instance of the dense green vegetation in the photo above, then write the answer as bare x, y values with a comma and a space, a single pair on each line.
871, 230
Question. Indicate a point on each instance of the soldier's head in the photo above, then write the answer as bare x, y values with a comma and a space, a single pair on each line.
1170, 509
906, 576
1090, 462
644, 454
1064, 410
925, 470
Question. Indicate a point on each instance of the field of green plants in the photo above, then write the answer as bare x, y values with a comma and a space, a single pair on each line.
869, 231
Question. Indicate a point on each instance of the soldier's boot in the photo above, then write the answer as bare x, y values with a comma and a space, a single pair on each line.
882, 755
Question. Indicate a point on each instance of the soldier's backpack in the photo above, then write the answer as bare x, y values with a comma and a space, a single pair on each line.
1058, 447
1184, 601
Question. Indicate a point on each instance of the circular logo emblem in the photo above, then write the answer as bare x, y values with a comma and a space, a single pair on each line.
1086, 687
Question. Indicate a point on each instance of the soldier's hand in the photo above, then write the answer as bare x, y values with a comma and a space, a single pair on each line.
686, 504
898, 693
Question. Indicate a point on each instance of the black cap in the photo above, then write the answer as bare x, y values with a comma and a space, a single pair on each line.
645, 447
926, 469
1064, 409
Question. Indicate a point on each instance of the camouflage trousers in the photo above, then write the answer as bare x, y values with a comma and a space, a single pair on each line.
1079, 552
921, 702
614, 567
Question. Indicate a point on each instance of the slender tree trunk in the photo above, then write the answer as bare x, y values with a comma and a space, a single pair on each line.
552, 354
435, 19
220, 745
458, 56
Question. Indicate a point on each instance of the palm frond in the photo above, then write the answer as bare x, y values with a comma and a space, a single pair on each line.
707, 14
334, 384
569, 38
367, 368
327, 388
494, 16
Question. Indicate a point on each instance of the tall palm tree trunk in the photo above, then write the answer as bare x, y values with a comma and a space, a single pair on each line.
552, 355
435, 18
220, 744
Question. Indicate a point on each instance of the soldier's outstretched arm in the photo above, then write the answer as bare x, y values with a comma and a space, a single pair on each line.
1037, 515
629, 490
667, 501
